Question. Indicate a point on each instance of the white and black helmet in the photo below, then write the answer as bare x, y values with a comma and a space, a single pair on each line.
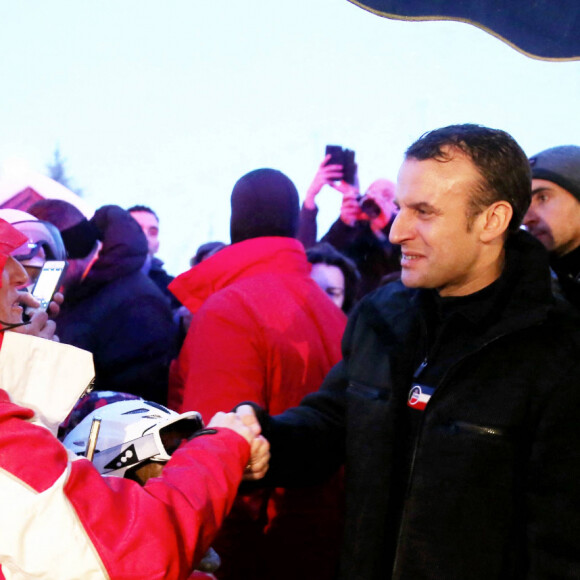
132, 432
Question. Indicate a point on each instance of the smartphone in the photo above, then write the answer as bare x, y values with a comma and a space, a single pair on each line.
336, 155
344, 157
49, 281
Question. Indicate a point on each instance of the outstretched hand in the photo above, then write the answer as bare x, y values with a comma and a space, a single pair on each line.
233, 422
260, 456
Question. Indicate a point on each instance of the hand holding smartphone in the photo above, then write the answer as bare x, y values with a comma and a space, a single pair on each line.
48, 282
344, 157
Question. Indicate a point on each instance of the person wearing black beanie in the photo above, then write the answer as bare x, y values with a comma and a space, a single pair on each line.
554, 214
264, 203
263, 330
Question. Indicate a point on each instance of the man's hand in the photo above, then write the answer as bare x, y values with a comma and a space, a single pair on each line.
39, 325
350, 211
326, 175
234, 422
260, 458
55, 304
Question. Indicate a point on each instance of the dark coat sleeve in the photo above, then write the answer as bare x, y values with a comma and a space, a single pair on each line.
307, 228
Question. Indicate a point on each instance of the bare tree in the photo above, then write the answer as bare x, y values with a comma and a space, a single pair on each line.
57, 171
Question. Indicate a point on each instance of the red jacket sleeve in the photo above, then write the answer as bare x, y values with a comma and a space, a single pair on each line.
61, 518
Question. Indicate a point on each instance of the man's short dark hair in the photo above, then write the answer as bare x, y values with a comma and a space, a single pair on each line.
502, 163
144, 208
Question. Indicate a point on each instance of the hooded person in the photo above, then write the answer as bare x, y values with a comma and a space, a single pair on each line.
262, 330
111, 308
52, 527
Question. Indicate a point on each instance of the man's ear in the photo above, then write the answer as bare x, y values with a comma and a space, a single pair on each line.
496, 219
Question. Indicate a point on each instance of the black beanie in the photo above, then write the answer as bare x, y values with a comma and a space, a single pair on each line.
560, 165
264, 203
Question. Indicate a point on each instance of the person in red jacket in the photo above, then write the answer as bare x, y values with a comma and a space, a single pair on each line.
60, 517
262, 331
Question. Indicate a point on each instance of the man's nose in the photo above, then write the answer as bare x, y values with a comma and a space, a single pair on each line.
530, 217
400, 228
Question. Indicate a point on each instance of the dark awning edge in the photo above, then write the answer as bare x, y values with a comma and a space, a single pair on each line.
483, 27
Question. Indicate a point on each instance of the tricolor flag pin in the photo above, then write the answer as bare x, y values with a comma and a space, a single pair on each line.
419, 396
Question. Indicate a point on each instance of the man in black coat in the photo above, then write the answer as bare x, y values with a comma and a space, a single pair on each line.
111, 308
554, 214
455, 407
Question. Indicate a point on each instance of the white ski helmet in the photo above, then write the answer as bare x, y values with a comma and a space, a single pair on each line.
131, 432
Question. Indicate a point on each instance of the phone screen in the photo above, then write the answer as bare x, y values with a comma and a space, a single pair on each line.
48, 281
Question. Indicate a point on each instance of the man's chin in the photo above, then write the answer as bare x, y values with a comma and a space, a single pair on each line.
410, 280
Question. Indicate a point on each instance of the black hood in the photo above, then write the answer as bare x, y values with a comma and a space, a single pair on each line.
124, 246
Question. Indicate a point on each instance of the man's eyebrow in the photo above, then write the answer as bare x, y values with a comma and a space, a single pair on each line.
424, 206
540, 189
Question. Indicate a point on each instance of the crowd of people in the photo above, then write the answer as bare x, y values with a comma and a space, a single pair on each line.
396, 399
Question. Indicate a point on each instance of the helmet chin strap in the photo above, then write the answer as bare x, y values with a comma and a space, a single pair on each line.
10, 326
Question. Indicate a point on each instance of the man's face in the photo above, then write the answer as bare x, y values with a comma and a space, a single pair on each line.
440, 247
331, 280
383, 191
13, 277
150, 227
385, 188
554, 217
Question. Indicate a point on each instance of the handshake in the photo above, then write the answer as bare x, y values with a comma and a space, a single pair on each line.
245, 423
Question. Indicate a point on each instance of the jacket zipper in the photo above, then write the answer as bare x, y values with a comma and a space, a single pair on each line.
417, 372
480, 430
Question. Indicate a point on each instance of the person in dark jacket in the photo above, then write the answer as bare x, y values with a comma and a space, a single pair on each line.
153, 266
554, 214
111, 308
363, 237
455, 407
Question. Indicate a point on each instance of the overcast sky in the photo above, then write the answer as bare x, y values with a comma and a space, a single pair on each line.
168, 104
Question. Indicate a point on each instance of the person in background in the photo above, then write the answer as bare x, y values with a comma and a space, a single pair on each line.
182, 315
111, 308
263, 330
554, 214
335, 274
153, 266
363, 237
206, 251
